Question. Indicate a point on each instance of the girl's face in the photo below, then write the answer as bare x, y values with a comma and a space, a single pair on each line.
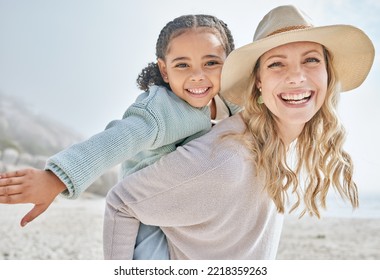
293, 80
193, 65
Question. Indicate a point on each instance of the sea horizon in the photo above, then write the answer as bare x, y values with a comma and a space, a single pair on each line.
369, 207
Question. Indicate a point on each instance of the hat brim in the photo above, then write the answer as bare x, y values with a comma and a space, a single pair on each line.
352, 51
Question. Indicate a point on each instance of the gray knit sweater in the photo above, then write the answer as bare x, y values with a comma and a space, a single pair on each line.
205, 196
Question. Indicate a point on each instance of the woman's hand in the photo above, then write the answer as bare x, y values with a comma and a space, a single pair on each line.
35, 186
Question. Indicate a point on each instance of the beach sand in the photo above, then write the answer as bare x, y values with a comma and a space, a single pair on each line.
72, 229
330, 239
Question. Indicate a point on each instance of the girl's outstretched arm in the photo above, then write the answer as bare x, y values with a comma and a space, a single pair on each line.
30, 186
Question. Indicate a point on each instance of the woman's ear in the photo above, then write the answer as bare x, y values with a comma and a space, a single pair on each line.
162, 66
258, 84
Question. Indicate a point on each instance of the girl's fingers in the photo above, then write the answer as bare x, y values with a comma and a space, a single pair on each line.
11, 181
32, 214
16, 173
8, 174
11, 198
11, 190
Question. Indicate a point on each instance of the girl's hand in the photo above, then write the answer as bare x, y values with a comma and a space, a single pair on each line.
30, 186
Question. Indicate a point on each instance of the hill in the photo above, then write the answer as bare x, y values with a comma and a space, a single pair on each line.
27, 132
27, 139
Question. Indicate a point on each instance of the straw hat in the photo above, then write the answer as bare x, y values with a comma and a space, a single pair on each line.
352, 50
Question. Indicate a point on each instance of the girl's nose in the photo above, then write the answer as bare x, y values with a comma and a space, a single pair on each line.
197, 75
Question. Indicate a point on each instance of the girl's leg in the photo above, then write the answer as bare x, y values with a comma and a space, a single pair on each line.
151, 244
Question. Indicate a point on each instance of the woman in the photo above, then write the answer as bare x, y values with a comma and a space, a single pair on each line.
223, 195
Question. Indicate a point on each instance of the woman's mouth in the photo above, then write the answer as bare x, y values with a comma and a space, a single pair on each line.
296, 98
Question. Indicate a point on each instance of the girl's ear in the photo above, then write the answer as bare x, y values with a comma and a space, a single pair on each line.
162, 66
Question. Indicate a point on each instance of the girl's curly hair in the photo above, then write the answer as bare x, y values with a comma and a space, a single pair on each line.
151, 75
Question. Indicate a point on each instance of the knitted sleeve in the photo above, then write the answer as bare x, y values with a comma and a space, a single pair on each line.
81, 164
158, 118
175, 117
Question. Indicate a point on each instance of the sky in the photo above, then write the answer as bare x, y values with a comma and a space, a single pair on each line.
76, 61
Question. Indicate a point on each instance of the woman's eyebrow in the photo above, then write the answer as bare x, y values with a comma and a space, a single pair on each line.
303, 54
312, 51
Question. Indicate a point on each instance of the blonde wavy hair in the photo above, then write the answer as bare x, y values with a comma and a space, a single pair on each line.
319, 148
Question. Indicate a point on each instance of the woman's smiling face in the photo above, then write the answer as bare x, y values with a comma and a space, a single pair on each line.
293, 81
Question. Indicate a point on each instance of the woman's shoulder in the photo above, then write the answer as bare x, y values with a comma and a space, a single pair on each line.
218, 136
213, 153
233, 124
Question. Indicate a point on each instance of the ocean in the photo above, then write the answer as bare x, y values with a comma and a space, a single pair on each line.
369, 207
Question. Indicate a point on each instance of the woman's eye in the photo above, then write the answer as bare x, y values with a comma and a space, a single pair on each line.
312, 60
275, 64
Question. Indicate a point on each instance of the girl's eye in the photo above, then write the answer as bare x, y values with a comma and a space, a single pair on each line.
181, 65
212, 63
275, 64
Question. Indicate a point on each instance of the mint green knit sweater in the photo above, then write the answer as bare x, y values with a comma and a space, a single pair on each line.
153, 126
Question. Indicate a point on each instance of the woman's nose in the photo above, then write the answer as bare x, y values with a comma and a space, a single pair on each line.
295, 75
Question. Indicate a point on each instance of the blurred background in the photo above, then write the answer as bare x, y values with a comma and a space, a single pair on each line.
68, 67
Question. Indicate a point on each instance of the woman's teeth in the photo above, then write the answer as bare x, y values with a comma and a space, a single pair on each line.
295, 98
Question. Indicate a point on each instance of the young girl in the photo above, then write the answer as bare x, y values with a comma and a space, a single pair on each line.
222, 195
180, 102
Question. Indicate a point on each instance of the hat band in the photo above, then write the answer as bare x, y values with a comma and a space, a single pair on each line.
289, 28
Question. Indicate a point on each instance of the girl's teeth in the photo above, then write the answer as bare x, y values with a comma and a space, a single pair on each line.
197, 90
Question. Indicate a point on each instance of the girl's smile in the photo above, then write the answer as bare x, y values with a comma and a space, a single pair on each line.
192, 66
198, 92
